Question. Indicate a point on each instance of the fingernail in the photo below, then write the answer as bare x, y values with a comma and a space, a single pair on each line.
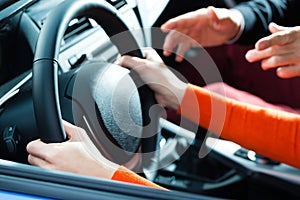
179, 59
280, 72
164, 29
166, 53
248, 56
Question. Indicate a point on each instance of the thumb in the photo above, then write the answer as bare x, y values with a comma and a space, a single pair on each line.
274, 28
211, 12
69, 128
74, 133
130, 62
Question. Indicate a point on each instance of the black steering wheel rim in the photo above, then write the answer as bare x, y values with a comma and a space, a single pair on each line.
45, 66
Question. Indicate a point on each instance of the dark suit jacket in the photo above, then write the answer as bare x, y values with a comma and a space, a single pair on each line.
259, 13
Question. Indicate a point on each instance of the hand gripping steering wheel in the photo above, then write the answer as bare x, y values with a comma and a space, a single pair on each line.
46, 92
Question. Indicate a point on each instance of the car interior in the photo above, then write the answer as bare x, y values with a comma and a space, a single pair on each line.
57, 62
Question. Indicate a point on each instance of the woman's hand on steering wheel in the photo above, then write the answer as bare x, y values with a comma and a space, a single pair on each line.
168, 88
77, 155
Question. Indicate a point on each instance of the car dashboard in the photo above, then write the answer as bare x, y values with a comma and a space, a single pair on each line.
84, 40
222, 174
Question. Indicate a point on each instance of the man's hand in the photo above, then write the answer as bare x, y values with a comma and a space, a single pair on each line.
280, 50
207, 27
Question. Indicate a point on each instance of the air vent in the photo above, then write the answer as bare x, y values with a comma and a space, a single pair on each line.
117, 3
77, 27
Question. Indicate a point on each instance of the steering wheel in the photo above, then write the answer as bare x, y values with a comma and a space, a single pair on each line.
46, 92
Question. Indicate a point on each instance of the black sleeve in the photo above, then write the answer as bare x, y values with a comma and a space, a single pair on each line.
259, 13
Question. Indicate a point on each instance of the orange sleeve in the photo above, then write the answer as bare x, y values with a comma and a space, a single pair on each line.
272, 133
125, 175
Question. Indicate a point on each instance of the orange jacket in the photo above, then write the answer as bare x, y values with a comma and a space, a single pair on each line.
271, 133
